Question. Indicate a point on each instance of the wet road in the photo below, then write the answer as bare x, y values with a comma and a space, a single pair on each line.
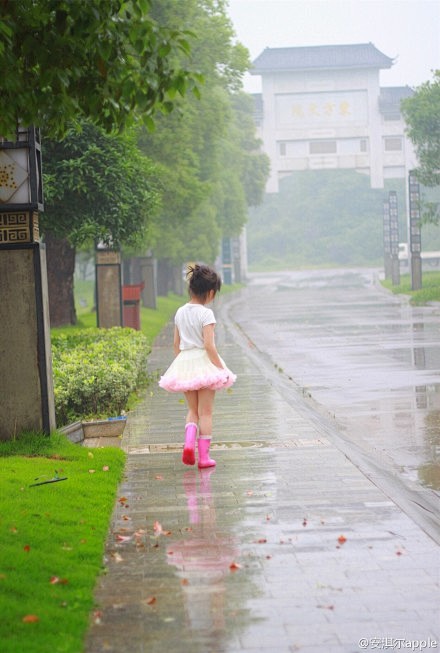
368, 357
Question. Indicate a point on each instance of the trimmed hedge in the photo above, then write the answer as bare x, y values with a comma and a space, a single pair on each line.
96, 370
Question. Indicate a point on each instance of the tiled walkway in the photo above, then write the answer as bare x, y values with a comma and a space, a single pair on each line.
284, 546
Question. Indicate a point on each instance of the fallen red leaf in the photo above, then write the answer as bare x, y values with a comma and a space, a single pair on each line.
234, 566
262, 541
123, 538
342, 539
122, 499
151, 600
30, 619
27, 548
54, 580
184, 581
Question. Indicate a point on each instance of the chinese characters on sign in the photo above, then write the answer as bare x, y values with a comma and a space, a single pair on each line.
321, 108
329, 109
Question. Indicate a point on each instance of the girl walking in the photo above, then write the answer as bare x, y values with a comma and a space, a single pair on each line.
197, 370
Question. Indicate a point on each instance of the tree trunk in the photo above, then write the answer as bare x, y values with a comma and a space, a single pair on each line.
60, 269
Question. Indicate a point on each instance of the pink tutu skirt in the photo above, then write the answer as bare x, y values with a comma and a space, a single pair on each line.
192, 370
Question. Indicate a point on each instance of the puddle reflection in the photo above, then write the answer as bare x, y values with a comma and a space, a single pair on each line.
203, 558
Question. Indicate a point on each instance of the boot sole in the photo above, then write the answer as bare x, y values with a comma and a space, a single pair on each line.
204, 466
189, 457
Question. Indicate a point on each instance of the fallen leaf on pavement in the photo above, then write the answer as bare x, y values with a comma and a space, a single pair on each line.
151, 600
123, 538
234, 566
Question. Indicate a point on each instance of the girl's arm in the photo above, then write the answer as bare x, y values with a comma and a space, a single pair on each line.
209, 344
176, 341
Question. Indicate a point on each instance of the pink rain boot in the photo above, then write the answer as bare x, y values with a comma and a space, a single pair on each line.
189, 454
204, 442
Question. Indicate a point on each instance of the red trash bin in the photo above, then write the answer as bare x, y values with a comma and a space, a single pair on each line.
131, 300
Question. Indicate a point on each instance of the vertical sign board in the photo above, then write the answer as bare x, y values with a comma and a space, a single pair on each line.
415, 236
386, 239
394, 237
108, 289
26, 382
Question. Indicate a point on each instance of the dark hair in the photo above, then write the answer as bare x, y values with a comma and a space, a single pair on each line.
202, 279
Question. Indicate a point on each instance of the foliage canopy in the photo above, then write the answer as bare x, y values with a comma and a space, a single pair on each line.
98, 186
105, 60
422, 115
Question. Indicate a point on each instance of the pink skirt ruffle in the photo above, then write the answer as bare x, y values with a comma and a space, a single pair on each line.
192, 370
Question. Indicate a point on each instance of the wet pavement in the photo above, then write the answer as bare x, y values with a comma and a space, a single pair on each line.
296, 541
369, 357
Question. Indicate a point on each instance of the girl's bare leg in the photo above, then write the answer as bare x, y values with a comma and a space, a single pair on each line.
192, 401
205, 408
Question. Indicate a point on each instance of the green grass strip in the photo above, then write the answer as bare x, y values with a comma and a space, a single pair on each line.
52, 540
430, 291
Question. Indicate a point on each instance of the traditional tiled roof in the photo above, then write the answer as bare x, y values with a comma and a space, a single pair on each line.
362, 55
391, 96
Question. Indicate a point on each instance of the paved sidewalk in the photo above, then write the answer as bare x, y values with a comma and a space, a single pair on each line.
284, 546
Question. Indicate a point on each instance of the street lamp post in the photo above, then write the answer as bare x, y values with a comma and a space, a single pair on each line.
26, 385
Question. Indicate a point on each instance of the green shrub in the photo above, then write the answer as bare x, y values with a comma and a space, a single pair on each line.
96, 370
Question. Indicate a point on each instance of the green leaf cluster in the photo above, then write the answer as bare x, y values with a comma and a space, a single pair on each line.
422, 116
96, 370
106, 60
99, 187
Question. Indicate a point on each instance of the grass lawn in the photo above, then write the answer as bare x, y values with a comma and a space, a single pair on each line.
430, 291
52, 540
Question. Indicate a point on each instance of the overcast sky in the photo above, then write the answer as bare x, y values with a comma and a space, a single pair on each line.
405, 30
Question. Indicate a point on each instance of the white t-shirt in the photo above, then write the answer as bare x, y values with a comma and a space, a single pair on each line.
190, 320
